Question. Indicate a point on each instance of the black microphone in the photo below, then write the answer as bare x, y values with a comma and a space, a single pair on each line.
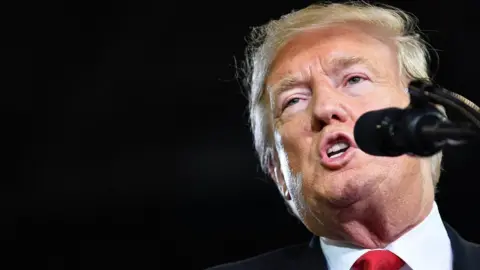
419, 131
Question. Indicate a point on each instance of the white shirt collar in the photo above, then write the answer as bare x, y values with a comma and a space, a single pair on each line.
426, 246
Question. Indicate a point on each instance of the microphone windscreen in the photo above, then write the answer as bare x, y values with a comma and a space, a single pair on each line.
371, 131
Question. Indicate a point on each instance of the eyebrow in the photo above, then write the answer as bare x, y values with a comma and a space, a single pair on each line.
335, 64
339, 63
284, 84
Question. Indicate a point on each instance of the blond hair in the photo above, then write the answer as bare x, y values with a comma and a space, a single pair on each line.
267, 40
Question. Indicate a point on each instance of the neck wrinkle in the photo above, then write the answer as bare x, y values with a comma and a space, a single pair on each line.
376, 227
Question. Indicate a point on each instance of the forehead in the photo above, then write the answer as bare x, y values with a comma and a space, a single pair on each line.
334, 46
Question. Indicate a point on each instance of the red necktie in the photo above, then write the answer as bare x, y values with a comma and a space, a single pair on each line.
378, 260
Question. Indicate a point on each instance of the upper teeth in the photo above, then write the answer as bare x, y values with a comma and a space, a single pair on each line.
337, 147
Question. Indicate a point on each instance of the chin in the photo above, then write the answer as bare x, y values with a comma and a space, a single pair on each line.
342, 189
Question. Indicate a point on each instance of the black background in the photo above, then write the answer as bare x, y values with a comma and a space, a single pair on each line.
88, 121
80, 92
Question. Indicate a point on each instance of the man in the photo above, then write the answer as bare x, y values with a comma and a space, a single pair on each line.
314, 72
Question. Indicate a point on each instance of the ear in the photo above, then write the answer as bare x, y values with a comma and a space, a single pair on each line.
276, 174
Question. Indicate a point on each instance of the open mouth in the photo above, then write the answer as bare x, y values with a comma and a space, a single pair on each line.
337, 148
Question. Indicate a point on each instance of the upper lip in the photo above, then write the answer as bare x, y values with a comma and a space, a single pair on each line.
329, 139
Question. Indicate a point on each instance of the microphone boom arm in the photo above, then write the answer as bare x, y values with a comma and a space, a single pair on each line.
422, 91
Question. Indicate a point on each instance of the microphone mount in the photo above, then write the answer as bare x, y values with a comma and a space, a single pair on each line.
424, 93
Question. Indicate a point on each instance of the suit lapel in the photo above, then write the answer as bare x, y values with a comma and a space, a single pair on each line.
466, 255
313, 258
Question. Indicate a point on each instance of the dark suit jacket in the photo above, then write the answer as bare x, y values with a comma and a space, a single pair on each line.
466, 256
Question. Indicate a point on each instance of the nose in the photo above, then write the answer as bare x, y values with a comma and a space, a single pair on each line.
328, 110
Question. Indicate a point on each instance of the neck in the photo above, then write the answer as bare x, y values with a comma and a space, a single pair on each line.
370, 224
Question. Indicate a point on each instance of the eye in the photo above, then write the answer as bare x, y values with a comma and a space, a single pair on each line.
355, 80
291, 102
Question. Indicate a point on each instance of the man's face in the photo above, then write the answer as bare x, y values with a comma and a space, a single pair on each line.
320, 83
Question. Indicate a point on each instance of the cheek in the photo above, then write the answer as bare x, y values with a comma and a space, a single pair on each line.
387, 98
401, 168
296, 139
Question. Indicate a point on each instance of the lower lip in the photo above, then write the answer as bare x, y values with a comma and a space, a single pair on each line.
337, 162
